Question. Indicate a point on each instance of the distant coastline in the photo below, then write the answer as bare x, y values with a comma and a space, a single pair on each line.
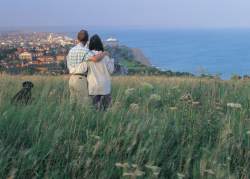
217, 52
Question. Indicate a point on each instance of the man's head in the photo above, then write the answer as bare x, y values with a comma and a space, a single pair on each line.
83, 37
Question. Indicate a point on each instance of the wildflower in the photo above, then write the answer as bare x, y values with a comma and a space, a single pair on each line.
174, 88
209, 171
155, 97
134, 165
218, 108
138, 172
96, 137
119, 165
134, 107
129, 91
196, 103
52, 92
234, 105
122, 165
180, 175
173, 108
128, 174
156, 173
186, 97
248, 132
147, 86
96, 147
153, 168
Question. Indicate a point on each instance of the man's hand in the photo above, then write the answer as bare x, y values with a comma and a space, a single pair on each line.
99, 56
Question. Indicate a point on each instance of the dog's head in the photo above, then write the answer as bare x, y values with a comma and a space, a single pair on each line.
28, 84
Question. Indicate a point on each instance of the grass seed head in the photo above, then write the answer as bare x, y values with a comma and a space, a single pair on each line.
153, 168
234, 105
180, 175
186, 97
122, 165
147, 86
196, 103
155, 97
209, 171
173, 108
134, 107
129, 91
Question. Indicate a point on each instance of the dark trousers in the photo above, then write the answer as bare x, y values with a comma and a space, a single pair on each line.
101, 102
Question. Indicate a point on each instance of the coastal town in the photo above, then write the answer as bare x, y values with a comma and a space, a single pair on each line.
38, 52
45, 53
34, 52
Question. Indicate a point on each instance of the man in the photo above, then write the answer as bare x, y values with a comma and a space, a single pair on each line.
78, 82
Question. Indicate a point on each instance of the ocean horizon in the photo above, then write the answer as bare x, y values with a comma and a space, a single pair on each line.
223, 52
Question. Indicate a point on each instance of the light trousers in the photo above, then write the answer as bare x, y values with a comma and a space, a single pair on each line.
78, 87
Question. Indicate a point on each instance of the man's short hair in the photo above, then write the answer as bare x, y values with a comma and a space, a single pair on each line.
83, 36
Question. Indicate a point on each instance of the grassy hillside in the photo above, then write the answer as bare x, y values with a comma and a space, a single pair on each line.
156, 128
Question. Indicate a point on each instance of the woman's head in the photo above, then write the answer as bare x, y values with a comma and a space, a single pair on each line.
95, 43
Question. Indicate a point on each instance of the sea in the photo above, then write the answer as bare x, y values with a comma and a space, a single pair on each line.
223, 52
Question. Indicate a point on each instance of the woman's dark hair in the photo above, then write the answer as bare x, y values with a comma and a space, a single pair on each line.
95, 43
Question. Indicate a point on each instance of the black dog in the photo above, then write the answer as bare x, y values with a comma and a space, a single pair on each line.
24, 95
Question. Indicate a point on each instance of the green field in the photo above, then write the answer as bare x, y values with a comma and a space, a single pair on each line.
156, 128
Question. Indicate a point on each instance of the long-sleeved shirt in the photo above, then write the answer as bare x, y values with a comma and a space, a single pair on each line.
76, 56
99, 79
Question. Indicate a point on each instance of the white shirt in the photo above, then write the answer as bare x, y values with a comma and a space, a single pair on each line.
99, 79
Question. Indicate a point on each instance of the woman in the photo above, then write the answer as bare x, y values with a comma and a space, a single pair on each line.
99, 80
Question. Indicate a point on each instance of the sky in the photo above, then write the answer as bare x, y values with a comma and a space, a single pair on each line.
126, 13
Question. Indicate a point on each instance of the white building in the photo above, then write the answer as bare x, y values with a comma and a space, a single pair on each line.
26, 56
112, 42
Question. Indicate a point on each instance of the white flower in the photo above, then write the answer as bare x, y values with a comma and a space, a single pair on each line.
180, 175
125, 174
186, 97
134, 107
122, 165
248, 132
209, 171
156, 173
196, 103
96, 137
119, 165
155, 97
153, 168
234, 105
130, 91
138, 172
173, 108
134, 165
147, 86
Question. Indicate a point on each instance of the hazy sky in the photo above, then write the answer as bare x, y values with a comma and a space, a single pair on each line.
126, 13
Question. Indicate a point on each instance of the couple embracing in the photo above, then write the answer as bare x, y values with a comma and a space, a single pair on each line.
90, 68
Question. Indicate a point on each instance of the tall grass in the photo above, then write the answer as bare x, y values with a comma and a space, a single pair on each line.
156, 128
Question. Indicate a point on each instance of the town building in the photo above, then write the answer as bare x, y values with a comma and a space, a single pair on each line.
112, 42
26, 56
